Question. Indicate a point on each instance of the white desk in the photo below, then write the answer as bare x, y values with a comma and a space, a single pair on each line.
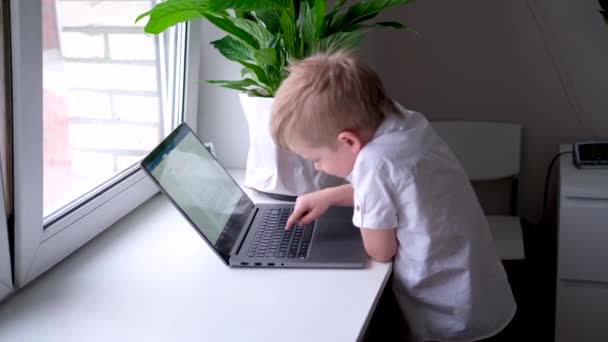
150, 277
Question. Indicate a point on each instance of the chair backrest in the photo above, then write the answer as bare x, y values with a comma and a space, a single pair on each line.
487, 150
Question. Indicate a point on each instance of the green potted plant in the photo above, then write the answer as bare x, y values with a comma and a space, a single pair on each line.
264, 37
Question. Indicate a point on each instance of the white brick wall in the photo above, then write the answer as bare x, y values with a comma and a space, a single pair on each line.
110, 76
82, 45
92, 164
106, 131
136, 108
112, 137
132, 46
102, 13
89, 105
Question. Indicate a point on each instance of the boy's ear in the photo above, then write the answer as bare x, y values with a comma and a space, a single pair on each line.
351, 140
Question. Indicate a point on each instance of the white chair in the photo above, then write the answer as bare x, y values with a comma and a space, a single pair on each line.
490, 151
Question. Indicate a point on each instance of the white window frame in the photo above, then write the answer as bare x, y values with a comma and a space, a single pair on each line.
6, 279
39, 246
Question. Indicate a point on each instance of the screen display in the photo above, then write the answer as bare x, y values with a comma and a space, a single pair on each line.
200, 188
593, 152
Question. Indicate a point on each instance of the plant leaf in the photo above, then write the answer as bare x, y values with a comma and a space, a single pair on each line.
604, 9
362, 11
171, 12
337, 7
245, 71
253, 28
247, 5
243, 85
275, 43
274, 79
392, 24
255, 92
318, 12
233, 49
383, 24
243, 82
338, 4
266, 57
228, 26
312, 23
339, 41
270, 18
307, 28
237, 84
289, 33
256, 72
291, 10
244, 14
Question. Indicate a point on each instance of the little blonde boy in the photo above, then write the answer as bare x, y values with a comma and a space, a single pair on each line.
412, 199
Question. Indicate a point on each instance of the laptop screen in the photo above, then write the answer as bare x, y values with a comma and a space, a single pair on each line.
200, 188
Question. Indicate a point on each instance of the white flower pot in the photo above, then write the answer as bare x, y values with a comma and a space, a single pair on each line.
270, 168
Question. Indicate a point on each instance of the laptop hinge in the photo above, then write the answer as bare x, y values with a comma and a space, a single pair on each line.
244, 232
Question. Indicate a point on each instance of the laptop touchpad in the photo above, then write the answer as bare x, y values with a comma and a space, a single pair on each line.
336, 227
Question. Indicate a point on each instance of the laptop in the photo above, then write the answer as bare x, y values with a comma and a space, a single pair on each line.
241, 233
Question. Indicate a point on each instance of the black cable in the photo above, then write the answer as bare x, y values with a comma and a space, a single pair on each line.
546, 193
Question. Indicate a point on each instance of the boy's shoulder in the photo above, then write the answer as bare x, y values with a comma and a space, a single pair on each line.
403, 138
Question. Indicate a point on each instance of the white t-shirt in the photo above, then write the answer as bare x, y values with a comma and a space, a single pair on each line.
448, 279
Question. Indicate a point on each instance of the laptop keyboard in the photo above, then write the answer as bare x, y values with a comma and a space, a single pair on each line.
273, 241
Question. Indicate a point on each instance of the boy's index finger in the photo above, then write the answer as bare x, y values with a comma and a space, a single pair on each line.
291, 220
295, 216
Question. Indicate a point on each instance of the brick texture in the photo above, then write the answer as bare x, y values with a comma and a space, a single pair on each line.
102, 108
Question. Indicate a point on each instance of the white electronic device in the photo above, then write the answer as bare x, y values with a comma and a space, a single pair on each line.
590, 154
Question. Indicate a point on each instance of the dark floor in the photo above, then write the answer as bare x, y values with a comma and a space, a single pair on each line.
533, 285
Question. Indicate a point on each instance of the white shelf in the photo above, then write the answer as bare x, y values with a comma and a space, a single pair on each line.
582, 183
150, 277
582, 274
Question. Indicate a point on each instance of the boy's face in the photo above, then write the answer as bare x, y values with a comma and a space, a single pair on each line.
336, 160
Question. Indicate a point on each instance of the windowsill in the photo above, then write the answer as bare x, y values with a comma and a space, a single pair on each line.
150, 277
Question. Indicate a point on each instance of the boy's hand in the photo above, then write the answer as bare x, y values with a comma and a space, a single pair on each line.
308, 207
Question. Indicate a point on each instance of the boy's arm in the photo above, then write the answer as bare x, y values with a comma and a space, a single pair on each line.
375, 208
380, 244
310, 206
342, 195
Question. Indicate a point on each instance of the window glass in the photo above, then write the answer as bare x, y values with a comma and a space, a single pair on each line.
102, 95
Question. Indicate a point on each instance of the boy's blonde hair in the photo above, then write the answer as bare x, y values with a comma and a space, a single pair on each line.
324, 95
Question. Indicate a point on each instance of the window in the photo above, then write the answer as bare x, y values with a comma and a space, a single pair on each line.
102, 108
92, 95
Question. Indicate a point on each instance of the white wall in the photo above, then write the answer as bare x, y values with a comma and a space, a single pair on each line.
221, 119
541, 63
